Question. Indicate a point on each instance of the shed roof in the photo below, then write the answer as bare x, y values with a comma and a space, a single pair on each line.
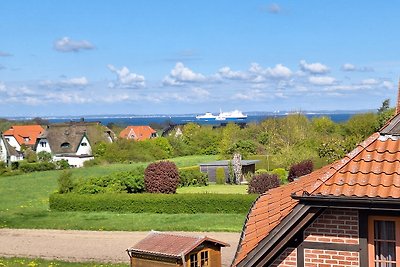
157, 243
226, 163
371, 171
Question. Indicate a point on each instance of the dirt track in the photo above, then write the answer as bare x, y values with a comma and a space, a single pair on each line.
83, 246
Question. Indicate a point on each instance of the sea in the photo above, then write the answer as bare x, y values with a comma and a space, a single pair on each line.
162, 119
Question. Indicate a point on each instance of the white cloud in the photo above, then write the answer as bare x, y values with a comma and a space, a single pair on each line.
369, 82
388, 85
2, 87
313, 68
278, 72
127, 79
274, 8
5, 54
181, 74
200, 92
227, 73
65, 44
77, 82
252, 95
352, 67
325, 80
348, 67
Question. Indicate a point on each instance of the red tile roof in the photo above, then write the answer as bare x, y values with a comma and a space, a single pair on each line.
137, 133
170, 245
25, 134
371, 170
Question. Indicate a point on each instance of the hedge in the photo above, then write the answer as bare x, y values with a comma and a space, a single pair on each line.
153, 203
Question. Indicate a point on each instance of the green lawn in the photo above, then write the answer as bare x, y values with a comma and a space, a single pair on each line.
11, 262
24, 204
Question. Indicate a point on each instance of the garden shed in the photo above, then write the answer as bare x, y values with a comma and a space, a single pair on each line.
165, 249
248, 166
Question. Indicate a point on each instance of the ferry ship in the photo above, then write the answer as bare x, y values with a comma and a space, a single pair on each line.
223, 116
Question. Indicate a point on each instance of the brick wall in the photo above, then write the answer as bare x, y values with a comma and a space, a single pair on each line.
287, 259
330, 258
334, 226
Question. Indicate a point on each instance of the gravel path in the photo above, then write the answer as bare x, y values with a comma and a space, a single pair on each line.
83, 246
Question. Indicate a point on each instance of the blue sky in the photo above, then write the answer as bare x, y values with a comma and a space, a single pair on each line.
153, 57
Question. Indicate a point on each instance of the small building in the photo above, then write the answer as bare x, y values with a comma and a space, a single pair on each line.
73, 141
344, 214
23, 135
8, 154
138, 133
165, 249
248, 166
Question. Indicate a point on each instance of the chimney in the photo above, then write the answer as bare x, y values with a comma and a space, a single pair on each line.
398, 100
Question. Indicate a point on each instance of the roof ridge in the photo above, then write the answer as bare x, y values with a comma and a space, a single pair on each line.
338, 165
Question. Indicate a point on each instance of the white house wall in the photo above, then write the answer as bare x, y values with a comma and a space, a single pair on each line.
73, 161
3, 151
84, 150
41, 148
13, 142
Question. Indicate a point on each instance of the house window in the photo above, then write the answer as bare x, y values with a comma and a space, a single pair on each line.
84, 144
43, 144
384, 241
204, 259
8, 139
65, 145
193, 260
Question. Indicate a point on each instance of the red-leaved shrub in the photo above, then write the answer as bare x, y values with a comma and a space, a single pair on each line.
300, 169
161, 177
262, 182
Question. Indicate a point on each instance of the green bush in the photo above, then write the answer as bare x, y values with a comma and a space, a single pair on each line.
220, 175
153, 203
282, 174
36, 166
62, 164
192, 176
128, 182
65, 182
261, 171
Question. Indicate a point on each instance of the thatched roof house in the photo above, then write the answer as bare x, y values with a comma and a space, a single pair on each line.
73, 141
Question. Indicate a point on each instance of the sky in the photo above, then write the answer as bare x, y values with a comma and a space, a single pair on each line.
177, 57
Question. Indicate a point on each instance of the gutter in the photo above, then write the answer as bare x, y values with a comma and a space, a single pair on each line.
350, 202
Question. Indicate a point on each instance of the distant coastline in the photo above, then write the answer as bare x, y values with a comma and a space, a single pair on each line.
132, 119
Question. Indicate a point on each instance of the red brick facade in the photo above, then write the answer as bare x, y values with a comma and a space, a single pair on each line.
287, 259
328, 258
333, 226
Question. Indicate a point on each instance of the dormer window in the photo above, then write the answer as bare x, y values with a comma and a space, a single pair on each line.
83, 144
65, 145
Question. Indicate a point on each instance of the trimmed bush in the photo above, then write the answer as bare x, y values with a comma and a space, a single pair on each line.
153, 203
261, 183
220, 175
300, 169
36, 167
192, 176
161, 177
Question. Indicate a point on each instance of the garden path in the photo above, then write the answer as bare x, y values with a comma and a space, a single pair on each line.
82, 246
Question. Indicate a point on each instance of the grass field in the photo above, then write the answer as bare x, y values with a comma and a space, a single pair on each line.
14, 262
24, 204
